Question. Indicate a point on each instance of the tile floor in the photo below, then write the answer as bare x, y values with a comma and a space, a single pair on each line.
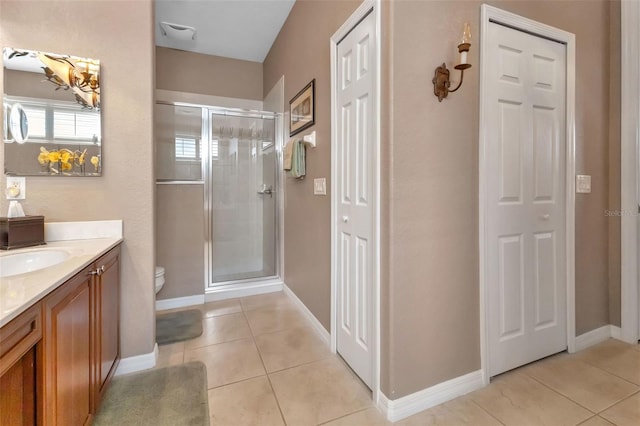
267, 366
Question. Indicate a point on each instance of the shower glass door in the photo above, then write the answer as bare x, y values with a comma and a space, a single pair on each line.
242, 197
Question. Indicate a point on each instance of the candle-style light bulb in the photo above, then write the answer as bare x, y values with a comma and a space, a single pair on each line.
466, 33
463, 48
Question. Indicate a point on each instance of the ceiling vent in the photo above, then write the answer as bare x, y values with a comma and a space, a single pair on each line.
177, 31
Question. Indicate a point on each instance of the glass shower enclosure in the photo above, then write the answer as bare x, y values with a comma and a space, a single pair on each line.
233, 155
242, 197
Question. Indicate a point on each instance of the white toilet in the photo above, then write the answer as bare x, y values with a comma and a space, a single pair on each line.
159, 278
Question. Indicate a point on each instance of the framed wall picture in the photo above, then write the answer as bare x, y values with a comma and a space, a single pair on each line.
302, 107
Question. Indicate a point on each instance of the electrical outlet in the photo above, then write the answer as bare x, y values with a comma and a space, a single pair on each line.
583, 184
320, 186
16, 188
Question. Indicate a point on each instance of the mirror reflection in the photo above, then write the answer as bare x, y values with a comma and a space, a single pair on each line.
52, 123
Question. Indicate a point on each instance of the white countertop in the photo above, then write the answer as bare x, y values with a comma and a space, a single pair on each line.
19, 292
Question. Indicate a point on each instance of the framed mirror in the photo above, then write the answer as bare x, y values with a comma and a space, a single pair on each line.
52, 119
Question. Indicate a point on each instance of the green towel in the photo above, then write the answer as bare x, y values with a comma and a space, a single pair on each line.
298, 160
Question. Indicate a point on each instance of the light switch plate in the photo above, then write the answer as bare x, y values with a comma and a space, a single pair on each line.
16, 188
320, 186
583, 184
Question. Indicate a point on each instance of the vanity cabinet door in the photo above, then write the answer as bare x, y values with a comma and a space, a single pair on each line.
67, 352
107, 319
18, 392
19, 366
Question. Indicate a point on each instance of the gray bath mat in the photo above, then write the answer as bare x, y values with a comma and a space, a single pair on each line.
178, 326
168, 396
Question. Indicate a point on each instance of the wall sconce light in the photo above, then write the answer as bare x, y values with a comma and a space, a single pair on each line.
440, 80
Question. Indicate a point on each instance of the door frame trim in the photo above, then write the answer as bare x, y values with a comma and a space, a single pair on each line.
493, 14
630, 131
366, 7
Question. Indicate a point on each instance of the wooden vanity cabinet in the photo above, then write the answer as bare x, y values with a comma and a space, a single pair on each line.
107, 321
58, 356
81, 341
68, 354
20, 364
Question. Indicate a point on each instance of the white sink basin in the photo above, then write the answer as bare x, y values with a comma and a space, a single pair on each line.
29, 261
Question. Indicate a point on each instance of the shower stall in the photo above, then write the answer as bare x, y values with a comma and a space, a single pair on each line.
227, 159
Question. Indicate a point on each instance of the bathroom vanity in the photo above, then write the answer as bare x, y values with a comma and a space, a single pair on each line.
59, 335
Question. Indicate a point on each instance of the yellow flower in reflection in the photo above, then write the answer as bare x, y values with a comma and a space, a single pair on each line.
80, 157
43, 157
66, 155
54, 156
65, 159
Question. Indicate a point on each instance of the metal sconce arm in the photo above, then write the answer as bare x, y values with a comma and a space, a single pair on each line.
441, 82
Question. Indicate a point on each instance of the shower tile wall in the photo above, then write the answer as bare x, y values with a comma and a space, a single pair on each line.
242, 219
237, 209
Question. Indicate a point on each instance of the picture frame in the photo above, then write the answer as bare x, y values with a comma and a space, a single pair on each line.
302, 109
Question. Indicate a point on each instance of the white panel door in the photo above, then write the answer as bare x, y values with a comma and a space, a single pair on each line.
355, 209
526, 198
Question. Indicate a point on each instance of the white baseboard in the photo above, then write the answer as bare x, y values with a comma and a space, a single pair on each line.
616, 332
179, 302
409, 405
593, 337
244, 289
312, 319
598, 335
138, 362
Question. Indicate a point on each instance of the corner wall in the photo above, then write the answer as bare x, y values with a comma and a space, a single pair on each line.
301, 53
124, 43
433, 166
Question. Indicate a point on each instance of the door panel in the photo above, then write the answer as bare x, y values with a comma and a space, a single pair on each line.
243, 193
525, 195
355, 215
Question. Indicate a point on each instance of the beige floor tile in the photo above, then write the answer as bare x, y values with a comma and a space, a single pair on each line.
596, 421
290, 348
228, 362
318, 392
460, 411
277, 299
589, 386
269, 320
222, 307
624, 413
369, 417
220, 329
172, 354
517, 399
616, 357
247, 403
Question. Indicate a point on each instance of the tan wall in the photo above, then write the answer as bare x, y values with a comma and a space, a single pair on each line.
207, 75
180, 239
433, 274
33, 85
430, 299
123, 41
301, 53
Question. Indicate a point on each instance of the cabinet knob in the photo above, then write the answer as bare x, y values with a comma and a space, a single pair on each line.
98, 271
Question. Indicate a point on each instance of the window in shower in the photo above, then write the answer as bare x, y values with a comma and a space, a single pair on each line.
187, 148
178, 133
